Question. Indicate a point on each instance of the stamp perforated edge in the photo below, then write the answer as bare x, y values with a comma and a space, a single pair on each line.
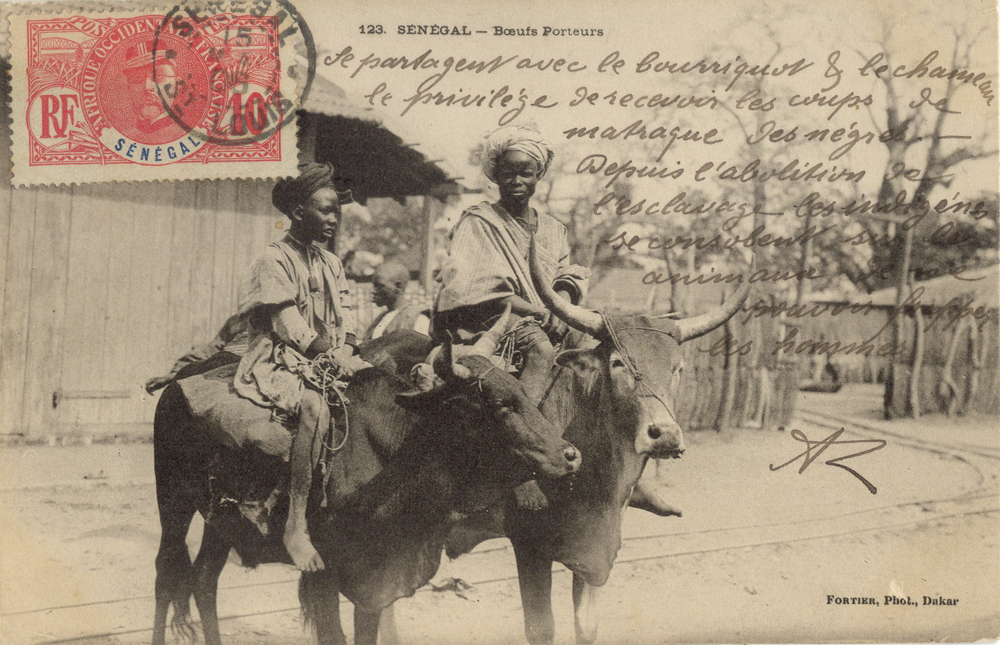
299, 52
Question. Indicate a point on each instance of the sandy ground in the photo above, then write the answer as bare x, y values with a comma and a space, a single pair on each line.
755, 557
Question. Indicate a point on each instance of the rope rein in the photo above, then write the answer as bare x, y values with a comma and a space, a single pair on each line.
505, 348
630, 362
479, 379
330, 380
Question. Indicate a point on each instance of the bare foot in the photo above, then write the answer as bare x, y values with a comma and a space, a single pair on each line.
649, 500
303, 553
530, 497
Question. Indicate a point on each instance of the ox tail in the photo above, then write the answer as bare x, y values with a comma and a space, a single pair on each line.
174, 588
320, 600
175, 580
181, 626
307, 601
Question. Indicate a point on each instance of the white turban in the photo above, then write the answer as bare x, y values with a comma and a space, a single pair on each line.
520, 139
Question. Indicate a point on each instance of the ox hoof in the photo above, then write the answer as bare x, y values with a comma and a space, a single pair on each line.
530, 497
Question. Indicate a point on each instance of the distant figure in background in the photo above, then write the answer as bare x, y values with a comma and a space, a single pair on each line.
389, 290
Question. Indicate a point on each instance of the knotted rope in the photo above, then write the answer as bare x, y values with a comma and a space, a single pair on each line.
330, 379
630, 362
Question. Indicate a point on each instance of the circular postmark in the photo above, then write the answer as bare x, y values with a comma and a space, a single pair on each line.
247, 54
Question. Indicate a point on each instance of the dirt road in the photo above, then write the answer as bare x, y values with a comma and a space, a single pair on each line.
757, 556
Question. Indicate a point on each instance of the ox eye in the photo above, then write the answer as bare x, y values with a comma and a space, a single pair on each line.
617, 362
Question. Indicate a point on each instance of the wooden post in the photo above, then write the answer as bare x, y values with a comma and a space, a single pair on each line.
948, 387
685, 303
730, 371
800, 284
897, 390
427, 244
307, 136
669, 266
978, 350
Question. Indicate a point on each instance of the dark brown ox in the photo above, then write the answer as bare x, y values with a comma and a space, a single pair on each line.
412, 462
616, 404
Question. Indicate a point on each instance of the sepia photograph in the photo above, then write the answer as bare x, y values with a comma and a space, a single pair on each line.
574, 321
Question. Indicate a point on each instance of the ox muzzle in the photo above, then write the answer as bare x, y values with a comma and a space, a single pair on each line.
660, 438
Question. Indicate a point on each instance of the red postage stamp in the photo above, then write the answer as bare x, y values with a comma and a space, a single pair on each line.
174, 95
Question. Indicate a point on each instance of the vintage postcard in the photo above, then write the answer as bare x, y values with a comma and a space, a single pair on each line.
492, 323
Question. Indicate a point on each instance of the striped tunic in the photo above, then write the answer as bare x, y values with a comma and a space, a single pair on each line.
488, 261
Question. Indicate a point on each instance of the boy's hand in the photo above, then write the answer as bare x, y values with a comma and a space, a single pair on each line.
553, 326
345, 358
158, 382
319, 345
342, 355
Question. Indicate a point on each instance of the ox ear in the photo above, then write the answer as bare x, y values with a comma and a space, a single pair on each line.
581, 361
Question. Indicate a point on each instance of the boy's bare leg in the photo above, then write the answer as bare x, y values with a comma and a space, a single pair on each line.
537, 373
539, 357
314, 417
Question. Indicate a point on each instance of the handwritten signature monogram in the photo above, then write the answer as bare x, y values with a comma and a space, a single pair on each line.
815, 448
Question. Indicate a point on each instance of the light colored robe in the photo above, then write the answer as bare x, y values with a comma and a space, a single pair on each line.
488, 260
268, 372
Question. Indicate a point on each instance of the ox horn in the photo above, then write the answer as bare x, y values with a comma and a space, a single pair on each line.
585, 320
449, 361
690, 328
487, 343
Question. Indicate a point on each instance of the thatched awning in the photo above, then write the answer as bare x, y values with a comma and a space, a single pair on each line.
373, 156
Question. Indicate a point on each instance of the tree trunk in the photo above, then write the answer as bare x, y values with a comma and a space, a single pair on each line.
730, 371
427, 217
918, 361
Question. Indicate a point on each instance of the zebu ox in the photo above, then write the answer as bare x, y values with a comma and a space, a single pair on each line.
616, 404
411, 462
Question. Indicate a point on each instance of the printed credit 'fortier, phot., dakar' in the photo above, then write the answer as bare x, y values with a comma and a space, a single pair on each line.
505, 322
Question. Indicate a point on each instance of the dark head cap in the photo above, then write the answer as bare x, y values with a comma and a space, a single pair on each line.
289, 194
